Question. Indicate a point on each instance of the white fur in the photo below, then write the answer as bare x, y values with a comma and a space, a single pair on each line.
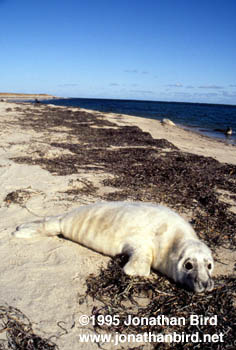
152, 235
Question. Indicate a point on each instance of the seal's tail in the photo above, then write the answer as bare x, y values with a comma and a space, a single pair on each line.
49, 226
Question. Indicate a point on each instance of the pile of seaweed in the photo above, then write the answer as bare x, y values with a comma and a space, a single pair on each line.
140, 298
19, 332
182, 181
143, 168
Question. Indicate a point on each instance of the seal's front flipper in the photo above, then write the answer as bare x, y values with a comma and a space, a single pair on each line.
139, 264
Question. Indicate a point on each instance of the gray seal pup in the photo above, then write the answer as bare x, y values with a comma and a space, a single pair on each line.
153, 236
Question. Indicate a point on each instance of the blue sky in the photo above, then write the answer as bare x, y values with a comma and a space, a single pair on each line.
167, 50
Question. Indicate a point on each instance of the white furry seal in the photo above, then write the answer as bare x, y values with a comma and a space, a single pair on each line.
152, 235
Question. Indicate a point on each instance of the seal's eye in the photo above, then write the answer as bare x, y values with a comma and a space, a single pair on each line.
209, 266
188, 266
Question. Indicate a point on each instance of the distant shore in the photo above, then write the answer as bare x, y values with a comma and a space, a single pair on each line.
5, 96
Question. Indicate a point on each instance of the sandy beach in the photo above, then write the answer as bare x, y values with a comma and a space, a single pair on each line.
54, 159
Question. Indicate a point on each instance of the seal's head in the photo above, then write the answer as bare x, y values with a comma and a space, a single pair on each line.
195, 267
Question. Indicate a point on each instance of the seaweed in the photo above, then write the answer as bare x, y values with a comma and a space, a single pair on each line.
19, 332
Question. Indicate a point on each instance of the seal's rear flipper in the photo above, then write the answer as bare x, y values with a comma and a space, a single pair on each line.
49, 226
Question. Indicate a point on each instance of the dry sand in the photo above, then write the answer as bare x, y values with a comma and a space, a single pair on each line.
44, 277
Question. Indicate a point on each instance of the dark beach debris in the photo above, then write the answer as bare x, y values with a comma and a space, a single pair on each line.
143, 168
86, 187
122, 295
19, 332
17, 197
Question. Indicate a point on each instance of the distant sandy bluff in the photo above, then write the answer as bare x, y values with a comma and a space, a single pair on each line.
5, 96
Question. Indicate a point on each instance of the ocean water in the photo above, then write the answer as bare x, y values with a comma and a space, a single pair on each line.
203, 118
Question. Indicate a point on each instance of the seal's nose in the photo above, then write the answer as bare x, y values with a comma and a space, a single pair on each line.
205, 284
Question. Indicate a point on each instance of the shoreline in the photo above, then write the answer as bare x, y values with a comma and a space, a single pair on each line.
180, 136
194, 130
54, 159
209, 132
185, 138
211, 135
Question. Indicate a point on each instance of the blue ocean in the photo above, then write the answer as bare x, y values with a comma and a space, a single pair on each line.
207, 119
